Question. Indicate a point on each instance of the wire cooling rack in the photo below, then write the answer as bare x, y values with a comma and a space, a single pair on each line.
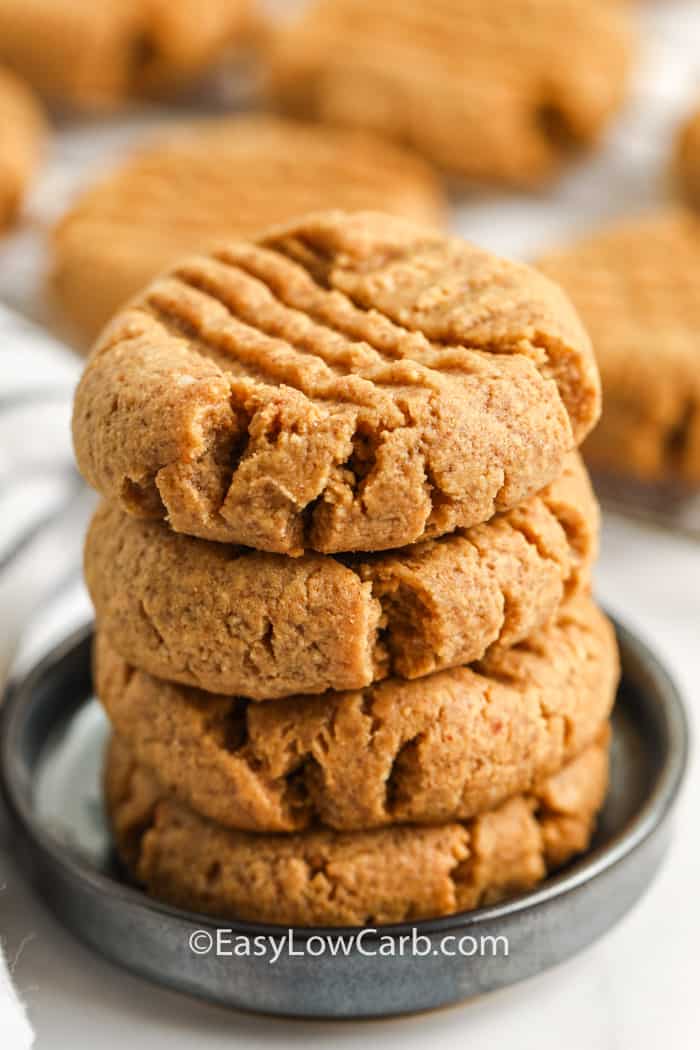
661, 506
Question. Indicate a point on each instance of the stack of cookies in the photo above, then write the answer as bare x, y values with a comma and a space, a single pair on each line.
341, 574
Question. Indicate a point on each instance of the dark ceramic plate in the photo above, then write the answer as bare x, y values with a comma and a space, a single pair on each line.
50, 756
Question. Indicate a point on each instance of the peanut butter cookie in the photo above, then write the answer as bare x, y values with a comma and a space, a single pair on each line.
636, 288
492, 91
219, 179
98, 55
344, 382
232, 620
329, 878
21, 138
685, 163
444, 747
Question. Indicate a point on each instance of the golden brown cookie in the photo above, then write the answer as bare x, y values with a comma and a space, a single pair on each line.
97, 55
214, 180
345, 382
685, 162
22, 131
439, 748
232, 620
493, 91
329, 878
635, 286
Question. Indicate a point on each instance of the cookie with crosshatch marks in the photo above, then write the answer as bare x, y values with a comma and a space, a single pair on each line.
344, 382
503, 91
237, 621
22, 132
635, 285
321, 877
443, 747
217, 179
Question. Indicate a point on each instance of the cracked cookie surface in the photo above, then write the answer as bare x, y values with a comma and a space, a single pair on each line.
373, 877
345, 382
634, 284
22, 133
97, 56
232, 620
438, 748
493, 91
220, 179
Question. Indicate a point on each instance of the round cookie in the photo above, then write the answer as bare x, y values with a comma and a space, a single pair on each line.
439, 748
634, 284
232, 620
685, 162
98, 55
363, 878
22, 132
491, 91
219, 179
344, 382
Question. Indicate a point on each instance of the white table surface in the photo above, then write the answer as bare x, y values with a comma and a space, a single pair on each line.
637, 987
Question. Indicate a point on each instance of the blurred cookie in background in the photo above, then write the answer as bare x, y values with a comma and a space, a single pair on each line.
91, 55
215, 180
22, 131
636, 288
685, 162
489, 91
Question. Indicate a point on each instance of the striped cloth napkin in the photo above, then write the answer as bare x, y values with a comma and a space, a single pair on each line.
43, 512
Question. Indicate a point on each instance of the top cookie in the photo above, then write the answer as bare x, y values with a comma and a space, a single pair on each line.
97, 55
345, 382
499, 91
635, 284
219, 179
21, 138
